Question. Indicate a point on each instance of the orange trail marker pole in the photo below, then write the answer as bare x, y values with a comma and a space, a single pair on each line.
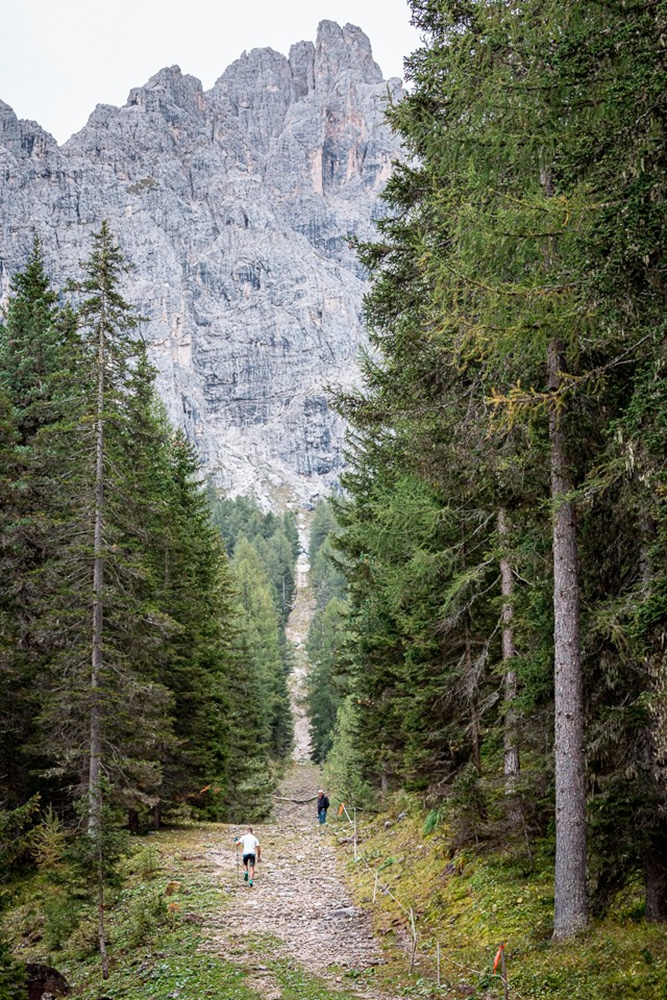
355, 833
500, 960
504, 975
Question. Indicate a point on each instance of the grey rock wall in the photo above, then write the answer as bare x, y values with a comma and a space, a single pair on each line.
234, 205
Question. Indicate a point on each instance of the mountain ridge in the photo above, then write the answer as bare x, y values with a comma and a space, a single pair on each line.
234, 205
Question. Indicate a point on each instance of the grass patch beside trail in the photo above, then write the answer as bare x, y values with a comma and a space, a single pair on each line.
179, 973
297, 984
153, 926
470, 901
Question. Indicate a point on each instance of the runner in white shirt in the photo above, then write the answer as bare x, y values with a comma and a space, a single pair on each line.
252, 851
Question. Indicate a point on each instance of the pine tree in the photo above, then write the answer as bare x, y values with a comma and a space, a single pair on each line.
38, 347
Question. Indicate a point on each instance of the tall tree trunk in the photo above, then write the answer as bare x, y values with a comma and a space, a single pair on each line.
655, 874
472, 705
655, 857
512, 765
95, 776
571, 902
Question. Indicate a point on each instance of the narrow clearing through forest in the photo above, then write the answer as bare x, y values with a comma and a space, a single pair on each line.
300, 907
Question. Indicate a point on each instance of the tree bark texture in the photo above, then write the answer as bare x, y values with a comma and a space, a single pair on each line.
101, 933
571, 901
472, 704
95, 773
512, 765
655, 857
655, 874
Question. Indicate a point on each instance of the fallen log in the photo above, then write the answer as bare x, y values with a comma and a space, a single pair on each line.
298, 802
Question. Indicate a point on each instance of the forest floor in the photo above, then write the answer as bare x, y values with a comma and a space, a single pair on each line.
185, 925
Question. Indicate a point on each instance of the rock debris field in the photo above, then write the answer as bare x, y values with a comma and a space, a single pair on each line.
299, 904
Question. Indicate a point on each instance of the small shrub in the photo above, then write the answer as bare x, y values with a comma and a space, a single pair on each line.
48, 842
84, 941
62, 915
12, 975
142, 918
144, 862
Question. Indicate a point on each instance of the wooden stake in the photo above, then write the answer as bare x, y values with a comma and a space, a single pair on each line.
437, 958
414, 939
375, 888
504, 975
355, 833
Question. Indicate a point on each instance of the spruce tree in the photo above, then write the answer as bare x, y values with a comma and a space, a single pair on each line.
38, 349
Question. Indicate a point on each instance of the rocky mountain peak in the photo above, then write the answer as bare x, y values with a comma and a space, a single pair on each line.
235, 206
166, 88
344, 54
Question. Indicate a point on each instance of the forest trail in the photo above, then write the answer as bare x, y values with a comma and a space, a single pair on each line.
299, 908
297, 634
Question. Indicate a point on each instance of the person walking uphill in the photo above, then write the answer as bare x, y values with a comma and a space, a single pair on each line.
322, 806
252, 852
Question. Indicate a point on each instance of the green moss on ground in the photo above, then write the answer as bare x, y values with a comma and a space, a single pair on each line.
297, 984
470, 900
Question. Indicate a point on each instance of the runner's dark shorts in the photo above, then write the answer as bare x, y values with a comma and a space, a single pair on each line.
248, 859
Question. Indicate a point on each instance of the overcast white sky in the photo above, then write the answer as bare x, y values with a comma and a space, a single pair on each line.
59, 58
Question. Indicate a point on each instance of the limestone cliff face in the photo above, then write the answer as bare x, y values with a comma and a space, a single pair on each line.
235, 206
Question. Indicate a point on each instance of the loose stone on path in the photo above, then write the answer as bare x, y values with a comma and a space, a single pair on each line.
299, 896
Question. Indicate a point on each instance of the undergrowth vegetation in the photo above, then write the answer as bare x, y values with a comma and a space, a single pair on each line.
153, 916
471, 900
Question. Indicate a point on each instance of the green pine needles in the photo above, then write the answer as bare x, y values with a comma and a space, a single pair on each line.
503, 518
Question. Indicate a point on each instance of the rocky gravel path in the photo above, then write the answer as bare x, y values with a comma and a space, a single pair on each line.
297, 634
299, 907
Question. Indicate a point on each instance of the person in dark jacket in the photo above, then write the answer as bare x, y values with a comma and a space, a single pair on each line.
322, 806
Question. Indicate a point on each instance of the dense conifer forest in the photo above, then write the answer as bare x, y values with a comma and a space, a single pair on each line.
489, 587
502, 525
